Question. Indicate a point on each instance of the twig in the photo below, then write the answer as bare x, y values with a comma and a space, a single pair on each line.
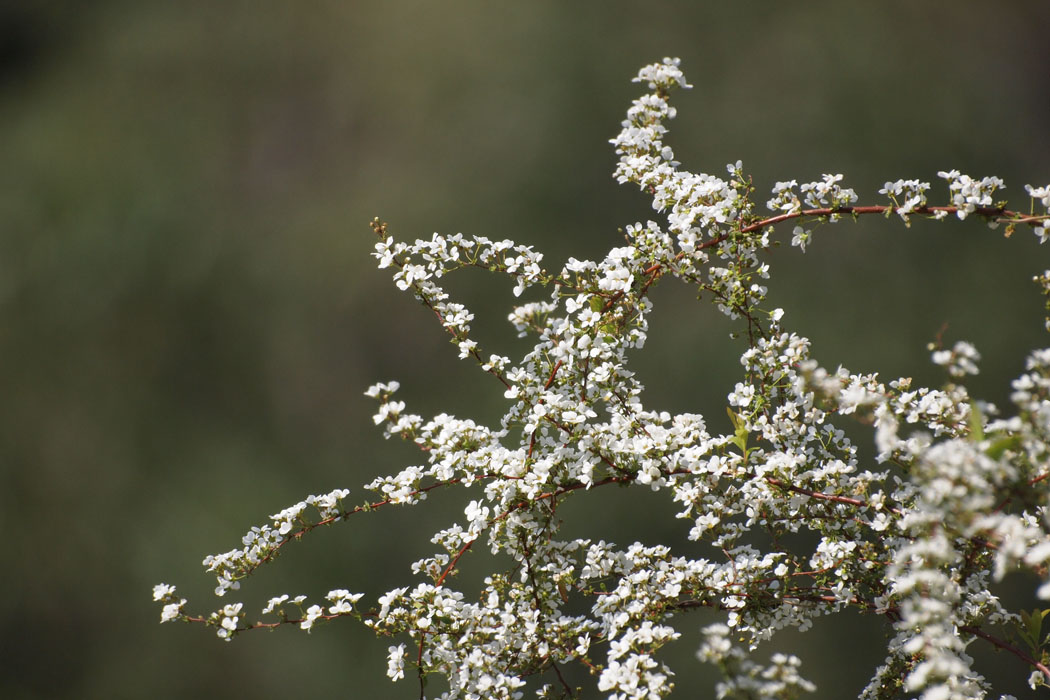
978, 632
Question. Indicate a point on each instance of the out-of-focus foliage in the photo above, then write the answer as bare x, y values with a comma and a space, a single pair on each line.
190, 314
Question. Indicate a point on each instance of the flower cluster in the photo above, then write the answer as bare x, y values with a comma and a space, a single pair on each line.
744, 676
1042, 195
828, 193
968, 194
227, 620
263, 542
826, 198
954, 499
960, 360
163, 593
907, 196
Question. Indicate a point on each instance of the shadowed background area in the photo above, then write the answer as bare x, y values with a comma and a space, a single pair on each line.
190, 312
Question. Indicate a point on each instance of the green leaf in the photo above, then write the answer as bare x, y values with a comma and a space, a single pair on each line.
1031, 628
732, 418
997, 448
740, 431
976, 422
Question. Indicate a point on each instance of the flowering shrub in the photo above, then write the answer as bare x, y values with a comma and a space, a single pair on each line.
957, 497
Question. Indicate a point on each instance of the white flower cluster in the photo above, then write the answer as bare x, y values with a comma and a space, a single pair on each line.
955, 498
828, 193
163, 593
747, 678
1042, 195
825, 195
968, 194
960, 360
263, 542
907, 196
227, 620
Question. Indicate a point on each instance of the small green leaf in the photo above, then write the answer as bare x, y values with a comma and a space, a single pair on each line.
740, 432
732, 418
1031, 627
997, 448
976, 422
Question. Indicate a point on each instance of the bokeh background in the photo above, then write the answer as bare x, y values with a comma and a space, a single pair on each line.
189, 313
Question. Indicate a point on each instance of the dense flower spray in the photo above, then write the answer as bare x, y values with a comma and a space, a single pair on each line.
956, 499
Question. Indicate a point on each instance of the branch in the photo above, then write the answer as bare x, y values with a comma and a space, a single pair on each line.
998, 213
824, 496
978, 632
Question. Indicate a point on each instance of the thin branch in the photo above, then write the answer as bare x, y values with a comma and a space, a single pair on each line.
823, 496
998, 213
452, 564
978, 632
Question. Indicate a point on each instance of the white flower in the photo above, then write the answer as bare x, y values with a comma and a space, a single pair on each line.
382, 388
163, 591
1039, 193
961, 360
274, 604
313, 613
800, 237
395, 667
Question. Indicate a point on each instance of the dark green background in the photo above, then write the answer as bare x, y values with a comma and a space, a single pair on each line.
189, 313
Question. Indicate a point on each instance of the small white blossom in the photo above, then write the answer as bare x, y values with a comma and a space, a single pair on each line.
313, 613
275, 604
961, 360
395, 668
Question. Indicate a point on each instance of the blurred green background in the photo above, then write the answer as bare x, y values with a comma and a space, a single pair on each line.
190, 313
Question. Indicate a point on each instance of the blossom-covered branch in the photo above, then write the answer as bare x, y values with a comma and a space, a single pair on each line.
953, 500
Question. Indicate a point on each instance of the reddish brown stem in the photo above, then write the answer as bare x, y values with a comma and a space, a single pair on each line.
452, 564
978, 632
1000, 214
816, 494
550, 379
